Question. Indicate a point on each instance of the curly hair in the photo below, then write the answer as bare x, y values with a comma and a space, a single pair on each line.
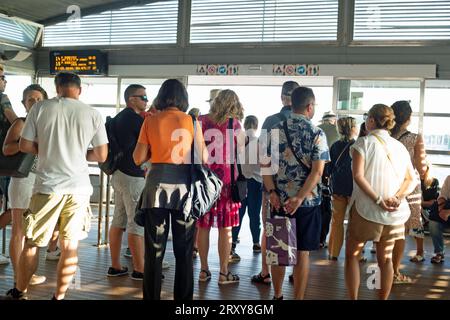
383, 115
402, 110
226, 105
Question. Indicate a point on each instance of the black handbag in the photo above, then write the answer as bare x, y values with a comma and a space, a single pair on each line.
17, 166
238, 186
205, 186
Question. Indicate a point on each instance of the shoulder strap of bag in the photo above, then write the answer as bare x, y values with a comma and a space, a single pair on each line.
339, 158
289, 141
387, 152
193, 150
232, 147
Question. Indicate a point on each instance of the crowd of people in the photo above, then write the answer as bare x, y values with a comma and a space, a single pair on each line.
376, 175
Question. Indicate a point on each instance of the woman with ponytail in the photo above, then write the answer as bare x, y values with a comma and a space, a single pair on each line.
415, 146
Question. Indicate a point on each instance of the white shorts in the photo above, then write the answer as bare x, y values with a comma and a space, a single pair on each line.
20, 191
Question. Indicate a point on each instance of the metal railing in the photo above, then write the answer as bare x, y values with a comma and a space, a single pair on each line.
103, 231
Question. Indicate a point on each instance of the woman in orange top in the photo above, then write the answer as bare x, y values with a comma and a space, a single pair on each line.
166, 139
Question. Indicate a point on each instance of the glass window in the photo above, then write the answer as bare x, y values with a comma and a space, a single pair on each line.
18, 31
217, 21
440, 166
14, 89
151, 85
100, 93
436, 133
152, 23
402, 20
363, 94
437, 96
260, 101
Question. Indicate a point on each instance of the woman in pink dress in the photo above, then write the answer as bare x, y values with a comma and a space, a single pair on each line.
225, 214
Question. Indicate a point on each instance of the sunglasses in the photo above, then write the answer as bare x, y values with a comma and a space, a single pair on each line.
143, 98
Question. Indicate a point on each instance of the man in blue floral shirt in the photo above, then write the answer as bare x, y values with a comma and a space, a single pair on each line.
295, 186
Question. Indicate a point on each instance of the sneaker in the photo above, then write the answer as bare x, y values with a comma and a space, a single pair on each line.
136, 275
14, 294
53, 255
127, 253
234, 257
35, 279
256, 248
117, 272
165, 265
3, 260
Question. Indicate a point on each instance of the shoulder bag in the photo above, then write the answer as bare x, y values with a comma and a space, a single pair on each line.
238, 186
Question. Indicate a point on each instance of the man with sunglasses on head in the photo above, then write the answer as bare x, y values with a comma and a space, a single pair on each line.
7, 117
128, 181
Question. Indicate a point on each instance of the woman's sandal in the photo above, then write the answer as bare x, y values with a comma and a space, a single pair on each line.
401, 279
229, 278
417, 258
438, 258
206, 278
259, 278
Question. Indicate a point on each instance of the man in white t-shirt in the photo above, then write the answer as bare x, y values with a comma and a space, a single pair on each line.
59, 131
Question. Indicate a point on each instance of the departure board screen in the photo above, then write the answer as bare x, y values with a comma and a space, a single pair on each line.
86, 62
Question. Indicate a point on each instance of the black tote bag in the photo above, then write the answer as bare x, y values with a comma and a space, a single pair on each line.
17, 166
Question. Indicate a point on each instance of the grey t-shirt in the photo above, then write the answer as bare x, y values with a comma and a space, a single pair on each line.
63, 128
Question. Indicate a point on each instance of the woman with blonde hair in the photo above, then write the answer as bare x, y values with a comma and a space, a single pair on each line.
225, 214
383, 176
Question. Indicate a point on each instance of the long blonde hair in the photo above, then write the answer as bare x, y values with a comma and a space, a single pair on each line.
226, 105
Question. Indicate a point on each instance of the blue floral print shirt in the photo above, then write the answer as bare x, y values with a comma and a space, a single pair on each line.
310, 144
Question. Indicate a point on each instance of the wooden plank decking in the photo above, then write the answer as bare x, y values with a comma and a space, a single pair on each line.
326, 277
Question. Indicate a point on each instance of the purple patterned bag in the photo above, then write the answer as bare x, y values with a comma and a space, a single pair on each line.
281, 237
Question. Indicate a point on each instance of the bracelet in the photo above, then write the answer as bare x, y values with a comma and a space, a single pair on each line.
379, 199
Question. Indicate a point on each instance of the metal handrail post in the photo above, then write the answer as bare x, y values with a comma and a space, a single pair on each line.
100, 210
108, 202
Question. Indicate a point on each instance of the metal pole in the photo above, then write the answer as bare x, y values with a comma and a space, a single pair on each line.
5, 206
100, 210
4, 241
108, 201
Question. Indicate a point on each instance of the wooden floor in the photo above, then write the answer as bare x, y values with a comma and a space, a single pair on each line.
326, 277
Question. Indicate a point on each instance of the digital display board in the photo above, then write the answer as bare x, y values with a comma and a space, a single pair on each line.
85, 62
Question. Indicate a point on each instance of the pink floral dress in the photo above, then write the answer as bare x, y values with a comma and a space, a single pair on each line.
225, 213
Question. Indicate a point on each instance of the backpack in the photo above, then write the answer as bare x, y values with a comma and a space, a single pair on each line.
115, 154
